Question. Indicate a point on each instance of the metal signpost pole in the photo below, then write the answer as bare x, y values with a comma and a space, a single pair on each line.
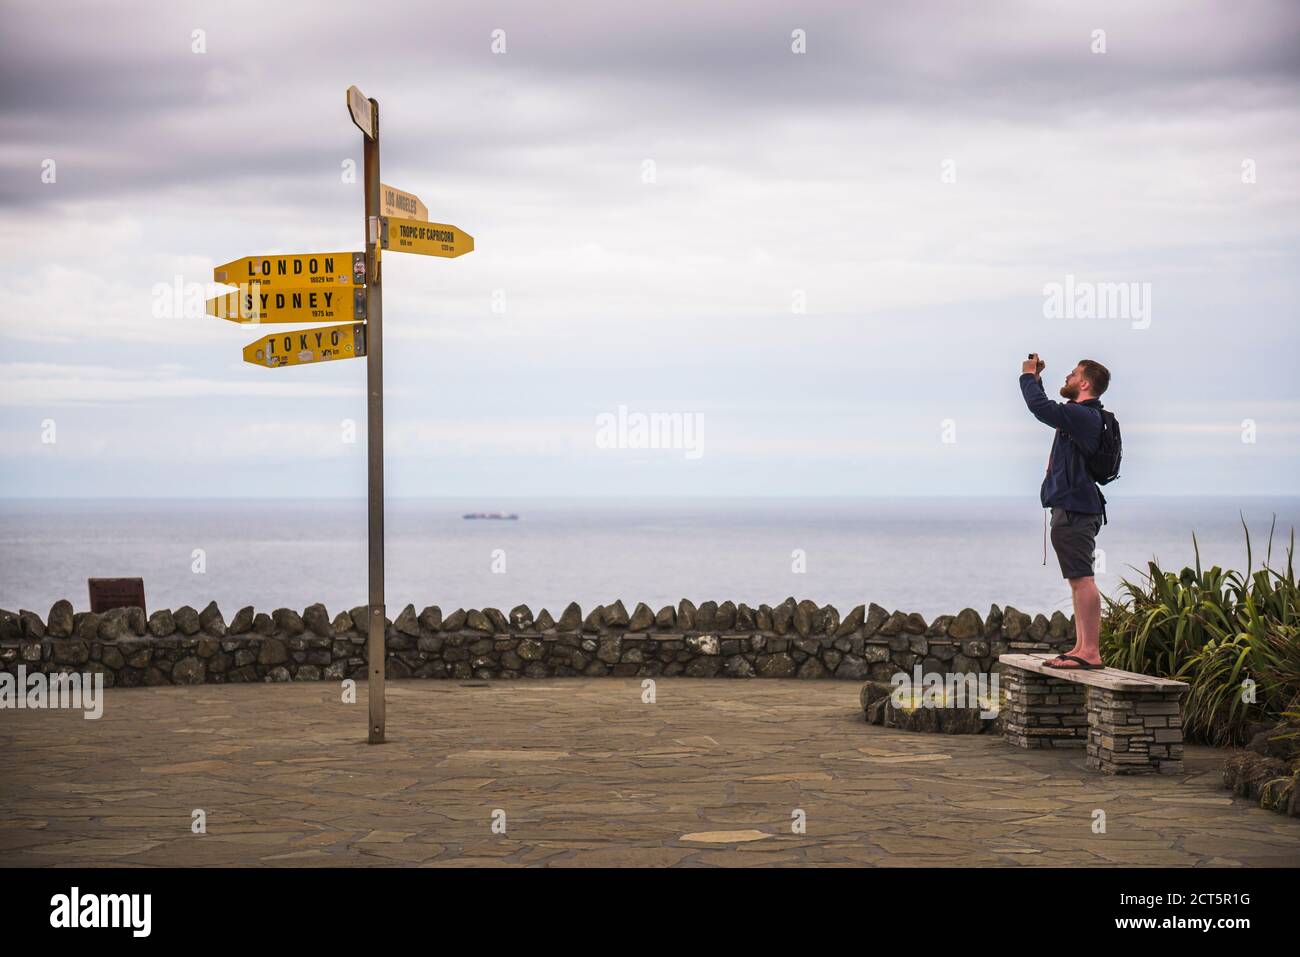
375, 427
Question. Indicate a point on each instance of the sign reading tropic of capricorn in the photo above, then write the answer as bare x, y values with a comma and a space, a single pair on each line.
429, 239
346, 288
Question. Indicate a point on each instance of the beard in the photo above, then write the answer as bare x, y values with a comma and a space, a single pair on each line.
1070, 392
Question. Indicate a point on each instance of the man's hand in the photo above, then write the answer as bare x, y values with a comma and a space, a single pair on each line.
1033, 365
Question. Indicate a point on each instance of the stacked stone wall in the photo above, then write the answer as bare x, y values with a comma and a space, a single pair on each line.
793, 639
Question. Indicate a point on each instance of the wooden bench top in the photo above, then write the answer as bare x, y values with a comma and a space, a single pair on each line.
1112, 679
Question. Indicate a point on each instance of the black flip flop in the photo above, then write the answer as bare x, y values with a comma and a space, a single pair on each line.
1080, 665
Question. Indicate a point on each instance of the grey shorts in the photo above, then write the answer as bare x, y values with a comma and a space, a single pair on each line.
1074, 537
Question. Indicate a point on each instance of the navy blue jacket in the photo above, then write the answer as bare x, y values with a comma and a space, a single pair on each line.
1067, 483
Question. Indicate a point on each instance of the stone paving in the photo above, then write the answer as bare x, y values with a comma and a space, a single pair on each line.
712, 773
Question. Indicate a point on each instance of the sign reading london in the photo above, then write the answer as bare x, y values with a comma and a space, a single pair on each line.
251, 304
297, 270
427, 239
308, 345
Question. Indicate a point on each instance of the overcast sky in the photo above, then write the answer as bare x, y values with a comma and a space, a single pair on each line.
653, 190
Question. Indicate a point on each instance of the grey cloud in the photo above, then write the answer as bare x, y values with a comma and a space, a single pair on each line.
266, 99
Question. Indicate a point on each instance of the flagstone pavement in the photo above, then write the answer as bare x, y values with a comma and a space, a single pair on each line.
582, 772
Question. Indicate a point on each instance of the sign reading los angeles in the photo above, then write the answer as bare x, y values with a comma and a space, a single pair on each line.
298, 270
308, 345
427, 239
396, 202
252, 304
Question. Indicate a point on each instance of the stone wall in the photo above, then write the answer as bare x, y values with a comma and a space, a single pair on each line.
793, 639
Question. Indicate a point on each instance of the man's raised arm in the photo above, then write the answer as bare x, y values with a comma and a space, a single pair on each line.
1043, 409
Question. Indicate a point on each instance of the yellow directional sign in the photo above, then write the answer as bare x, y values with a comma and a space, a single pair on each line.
396, 202
307, 346
427, 239
363, 114
252, 304
295, 270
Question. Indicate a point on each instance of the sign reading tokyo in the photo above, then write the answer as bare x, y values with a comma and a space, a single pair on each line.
251, 304
427, 239
301, 270
307, 346
396, 202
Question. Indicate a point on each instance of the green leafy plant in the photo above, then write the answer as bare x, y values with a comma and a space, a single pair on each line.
1216, 630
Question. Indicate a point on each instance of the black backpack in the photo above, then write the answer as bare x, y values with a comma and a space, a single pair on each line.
1103, 465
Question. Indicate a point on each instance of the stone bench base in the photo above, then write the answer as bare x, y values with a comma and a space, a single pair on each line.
1042, 712
1133, 727
1135, 732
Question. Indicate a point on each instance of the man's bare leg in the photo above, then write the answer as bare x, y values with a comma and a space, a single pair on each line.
1087, 621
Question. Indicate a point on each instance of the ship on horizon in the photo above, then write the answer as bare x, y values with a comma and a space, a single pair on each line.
511, 516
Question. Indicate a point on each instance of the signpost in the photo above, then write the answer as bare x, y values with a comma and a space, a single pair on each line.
346, 288
308, 345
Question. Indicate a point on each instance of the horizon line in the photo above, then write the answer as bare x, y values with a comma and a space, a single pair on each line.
585, 497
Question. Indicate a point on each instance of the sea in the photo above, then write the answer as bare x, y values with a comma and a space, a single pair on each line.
929, 555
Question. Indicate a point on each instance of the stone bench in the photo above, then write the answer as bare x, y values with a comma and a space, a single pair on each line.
1129, 723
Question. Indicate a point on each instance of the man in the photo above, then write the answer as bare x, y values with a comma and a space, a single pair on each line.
1078, 508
